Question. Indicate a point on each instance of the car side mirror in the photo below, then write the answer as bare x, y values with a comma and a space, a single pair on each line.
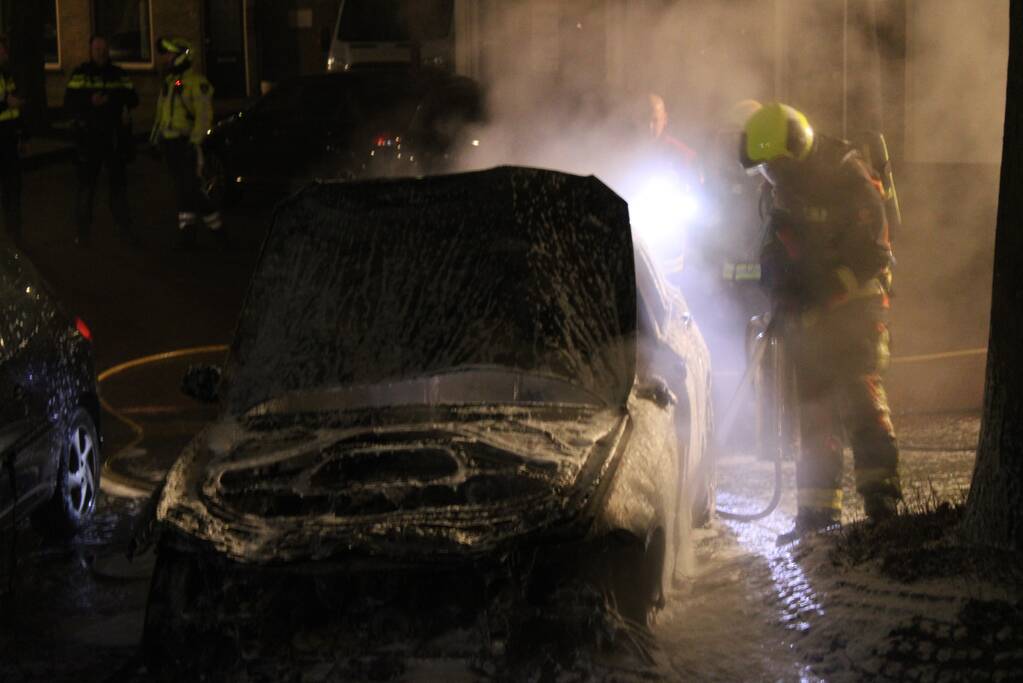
656, 390
202, 383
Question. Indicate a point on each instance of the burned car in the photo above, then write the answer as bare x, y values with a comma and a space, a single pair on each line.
442, 391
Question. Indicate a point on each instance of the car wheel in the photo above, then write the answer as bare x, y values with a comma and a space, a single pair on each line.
635, 573
705, 490
704, 477
74, 497
216, 182
180, 636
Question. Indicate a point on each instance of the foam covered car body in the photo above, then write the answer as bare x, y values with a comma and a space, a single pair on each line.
473, 375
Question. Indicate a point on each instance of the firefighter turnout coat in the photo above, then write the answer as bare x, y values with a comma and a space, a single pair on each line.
826, 261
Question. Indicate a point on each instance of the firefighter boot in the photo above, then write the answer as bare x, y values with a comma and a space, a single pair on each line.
810, 521
186, 238
215, 224
880, 507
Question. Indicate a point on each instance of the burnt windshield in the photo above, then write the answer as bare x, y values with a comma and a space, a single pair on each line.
367, 283
395, 21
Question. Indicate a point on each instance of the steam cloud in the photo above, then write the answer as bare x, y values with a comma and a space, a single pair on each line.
563, 77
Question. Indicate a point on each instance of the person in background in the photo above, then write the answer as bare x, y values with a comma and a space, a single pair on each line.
679, 155
12, 146
184, 115
99, 98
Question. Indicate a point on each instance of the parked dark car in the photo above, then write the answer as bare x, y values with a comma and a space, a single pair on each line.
358, 124
442, 391
49, 407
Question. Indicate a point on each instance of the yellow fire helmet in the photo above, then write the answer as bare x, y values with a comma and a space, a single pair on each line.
179, 47
775, 131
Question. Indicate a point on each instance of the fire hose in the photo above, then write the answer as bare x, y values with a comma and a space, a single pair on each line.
762, 342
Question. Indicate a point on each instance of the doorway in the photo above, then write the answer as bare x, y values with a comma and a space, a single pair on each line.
225, 47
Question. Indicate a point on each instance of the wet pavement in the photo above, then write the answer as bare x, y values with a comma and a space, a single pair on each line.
749, 611
757, 612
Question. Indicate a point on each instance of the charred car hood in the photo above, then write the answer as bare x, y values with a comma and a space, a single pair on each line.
408, 482
380, 281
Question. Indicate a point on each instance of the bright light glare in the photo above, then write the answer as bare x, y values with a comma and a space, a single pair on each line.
660, 209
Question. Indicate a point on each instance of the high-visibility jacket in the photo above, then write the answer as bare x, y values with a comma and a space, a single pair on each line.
90, 79
10, 117
184, 108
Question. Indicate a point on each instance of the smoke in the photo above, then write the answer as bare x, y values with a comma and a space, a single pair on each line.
567, 83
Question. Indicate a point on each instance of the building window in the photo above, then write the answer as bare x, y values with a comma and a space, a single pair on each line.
51, 34
126, 26
51, 37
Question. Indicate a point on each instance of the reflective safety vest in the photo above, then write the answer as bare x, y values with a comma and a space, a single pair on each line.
184, 108
91, 79
83, 81
7, 87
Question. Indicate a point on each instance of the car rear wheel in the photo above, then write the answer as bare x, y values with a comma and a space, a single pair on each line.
635, 572
74, 497
216, 183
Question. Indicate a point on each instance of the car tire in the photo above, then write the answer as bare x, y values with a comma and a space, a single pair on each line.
216, 181
705, 491
78, 473
704, 479
167, 641
181, 638
635, 572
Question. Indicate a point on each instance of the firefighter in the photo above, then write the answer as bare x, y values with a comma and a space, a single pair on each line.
826, 263
12, 146
99, 98
184, 114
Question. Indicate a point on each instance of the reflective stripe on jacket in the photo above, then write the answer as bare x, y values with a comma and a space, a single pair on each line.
7, 87
184, 108
84, 81
91, 79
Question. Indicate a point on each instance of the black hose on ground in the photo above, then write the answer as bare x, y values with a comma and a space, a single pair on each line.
754, 516
730, 414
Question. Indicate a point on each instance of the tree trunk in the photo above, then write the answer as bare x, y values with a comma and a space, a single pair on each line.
994, 509
28, 63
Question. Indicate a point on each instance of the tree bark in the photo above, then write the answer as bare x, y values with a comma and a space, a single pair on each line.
28, 63
994, 509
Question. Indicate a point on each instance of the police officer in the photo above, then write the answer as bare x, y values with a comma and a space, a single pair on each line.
98, 98
826, 263
184, 114
12, 141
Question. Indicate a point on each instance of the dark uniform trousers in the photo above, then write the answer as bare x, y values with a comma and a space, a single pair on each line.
193, 203
97, 149
10, 184
839, 356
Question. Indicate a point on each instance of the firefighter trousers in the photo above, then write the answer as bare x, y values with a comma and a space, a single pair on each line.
193, 203
10, 185
96, 150
839, 357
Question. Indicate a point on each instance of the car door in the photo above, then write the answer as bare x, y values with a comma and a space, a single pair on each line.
23, 397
